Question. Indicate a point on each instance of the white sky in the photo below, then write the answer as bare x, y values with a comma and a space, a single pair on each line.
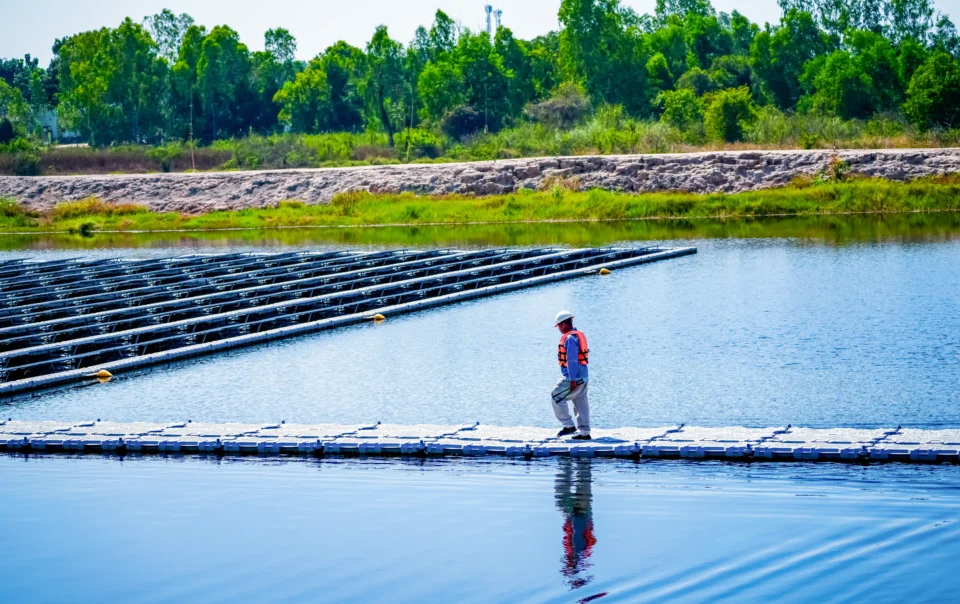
32, 26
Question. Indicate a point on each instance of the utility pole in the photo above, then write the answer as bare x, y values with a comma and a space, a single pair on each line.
193, 159
486, 114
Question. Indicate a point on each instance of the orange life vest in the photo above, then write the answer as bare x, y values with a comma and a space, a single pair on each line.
583, 357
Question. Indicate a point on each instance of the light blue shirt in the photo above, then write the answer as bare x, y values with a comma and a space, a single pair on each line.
574, 370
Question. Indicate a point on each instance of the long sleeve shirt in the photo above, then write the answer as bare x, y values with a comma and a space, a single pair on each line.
574, 370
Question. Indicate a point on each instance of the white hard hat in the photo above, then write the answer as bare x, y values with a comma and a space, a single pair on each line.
563, 315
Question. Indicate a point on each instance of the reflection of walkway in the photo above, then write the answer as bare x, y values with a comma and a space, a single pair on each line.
575, 500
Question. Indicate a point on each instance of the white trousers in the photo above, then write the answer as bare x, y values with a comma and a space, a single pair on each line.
581, 408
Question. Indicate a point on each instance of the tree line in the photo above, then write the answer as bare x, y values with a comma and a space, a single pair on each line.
167, 78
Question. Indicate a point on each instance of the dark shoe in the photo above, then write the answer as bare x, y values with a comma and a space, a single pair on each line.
566, 432
581, 437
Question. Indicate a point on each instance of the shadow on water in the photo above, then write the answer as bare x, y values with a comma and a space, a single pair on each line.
831, 230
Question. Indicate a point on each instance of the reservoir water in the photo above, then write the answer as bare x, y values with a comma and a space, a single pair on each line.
816, 322
166, 529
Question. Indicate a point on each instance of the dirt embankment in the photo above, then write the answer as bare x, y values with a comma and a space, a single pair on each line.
728, 172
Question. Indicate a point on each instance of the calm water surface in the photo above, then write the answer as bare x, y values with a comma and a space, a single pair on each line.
822, 322
157, 530
819, 330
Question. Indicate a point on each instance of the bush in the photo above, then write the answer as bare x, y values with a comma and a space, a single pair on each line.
417, 142
837, 170
933, 97
26, 163
462, 122
375, 154
93, 206
698, 81
84, 160
281, 151
681, 108
564, 109
9, 208
885, 126
346, 203
165, 155
728, 113
809, 141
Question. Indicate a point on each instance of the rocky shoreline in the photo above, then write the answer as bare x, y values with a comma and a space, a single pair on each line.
711, 172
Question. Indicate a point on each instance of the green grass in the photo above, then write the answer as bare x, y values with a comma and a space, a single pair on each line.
857, 196
608, 130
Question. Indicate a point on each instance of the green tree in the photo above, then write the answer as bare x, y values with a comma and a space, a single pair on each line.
84, 85
223, 79
281, 44
945, 37
110, 83
910, 19
698, 81
486, 80
742, 33
271, 69
15, 110
835, 17
681, 108
515, 58
734, 71
168, 30
706, 40
184, 78
139, 80
383, 83
344, 66
856, 83
442, 37
658, 72
305, 101
779, 55
682, 8
602, 47
670, 41
910, 56
933, 97
441, 89
19, 72
839, 86
728, 113
543, 53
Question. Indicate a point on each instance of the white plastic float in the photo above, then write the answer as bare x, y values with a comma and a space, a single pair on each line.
732, 443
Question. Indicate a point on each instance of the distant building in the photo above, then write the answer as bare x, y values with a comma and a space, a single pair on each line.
50, 124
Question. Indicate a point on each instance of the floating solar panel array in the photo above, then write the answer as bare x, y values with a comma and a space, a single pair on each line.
62, 320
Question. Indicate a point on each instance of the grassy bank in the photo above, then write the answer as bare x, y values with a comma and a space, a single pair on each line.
803, 198
607, 131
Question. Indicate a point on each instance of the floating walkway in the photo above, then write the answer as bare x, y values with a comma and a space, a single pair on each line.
63, 320
378, 440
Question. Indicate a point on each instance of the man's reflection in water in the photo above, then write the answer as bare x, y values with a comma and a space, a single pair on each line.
575, 501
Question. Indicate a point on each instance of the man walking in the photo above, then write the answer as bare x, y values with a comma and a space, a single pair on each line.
573, 355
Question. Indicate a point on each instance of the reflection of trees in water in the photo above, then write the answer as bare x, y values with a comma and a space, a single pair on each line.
936, 226
574, 499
